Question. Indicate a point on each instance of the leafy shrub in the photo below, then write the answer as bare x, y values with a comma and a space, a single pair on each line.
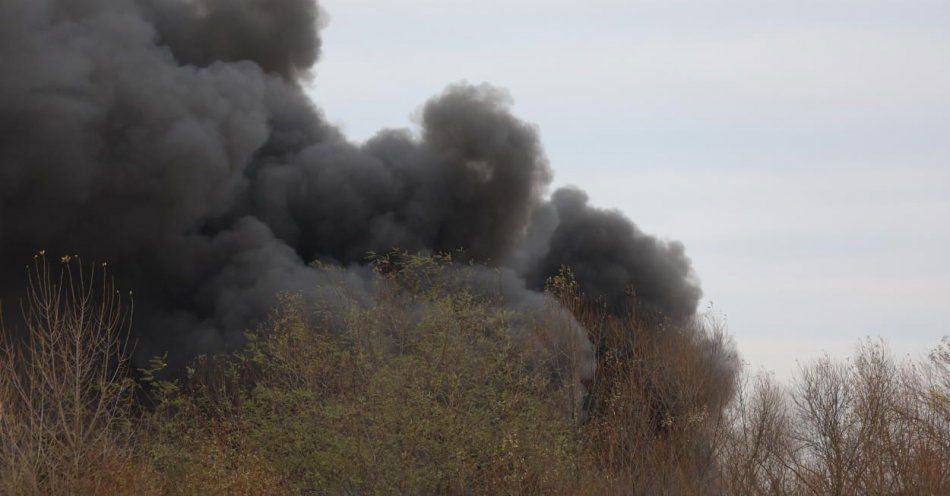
424, 393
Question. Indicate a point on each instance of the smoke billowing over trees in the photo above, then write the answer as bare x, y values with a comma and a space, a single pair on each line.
172, 139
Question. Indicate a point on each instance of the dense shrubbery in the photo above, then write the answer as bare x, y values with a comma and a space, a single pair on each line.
423, 393
427, 391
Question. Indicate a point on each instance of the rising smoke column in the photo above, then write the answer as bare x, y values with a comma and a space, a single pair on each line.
173, 139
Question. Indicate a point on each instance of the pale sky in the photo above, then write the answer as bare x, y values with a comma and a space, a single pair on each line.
799, 149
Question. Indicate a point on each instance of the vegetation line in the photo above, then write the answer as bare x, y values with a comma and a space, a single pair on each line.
428, 391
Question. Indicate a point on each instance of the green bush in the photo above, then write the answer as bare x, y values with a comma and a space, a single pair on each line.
425, 392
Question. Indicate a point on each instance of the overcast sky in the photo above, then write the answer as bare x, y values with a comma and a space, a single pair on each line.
800, 149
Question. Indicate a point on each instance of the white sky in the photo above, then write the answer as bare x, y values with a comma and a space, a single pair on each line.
799, 148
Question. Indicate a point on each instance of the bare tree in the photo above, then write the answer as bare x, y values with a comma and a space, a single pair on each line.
63, 382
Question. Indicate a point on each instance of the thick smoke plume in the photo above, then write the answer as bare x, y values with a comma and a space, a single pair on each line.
173, 139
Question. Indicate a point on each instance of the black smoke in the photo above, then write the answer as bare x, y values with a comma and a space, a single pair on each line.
613, 260
173, 139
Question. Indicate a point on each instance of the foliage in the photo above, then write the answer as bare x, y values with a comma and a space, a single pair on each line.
423, 393
426, 390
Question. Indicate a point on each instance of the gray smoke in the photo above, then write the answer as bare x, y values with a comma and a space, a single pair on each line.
611, 257
172, 138
280, 36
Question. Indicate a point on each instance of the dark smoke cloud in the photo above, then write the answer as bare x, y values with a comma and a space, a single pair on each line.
470, 182
172, 138
610, 257
278, 35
